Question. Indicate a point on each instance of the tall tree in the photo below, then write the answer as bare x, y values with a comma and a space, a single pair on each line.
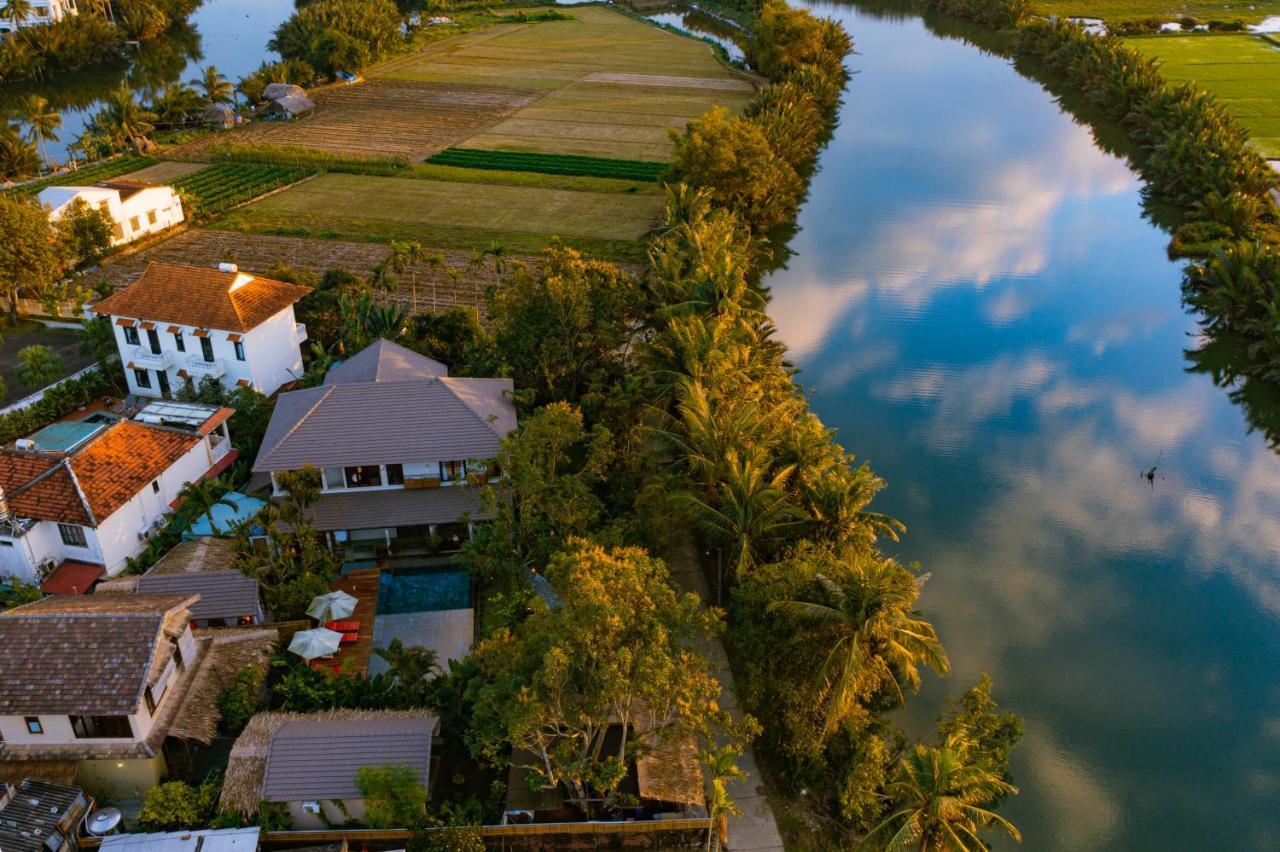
16, 12
96, 339
44, 122
217, 89
18, 157
204, 496
84, 233
30, 258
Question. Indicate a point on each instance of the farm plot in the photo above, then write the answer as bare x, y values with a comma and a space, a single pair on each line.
220, 187
104, 170
163, 172
453, 214
614, 85
380, 119
1118, 11
551, 164
1242, 70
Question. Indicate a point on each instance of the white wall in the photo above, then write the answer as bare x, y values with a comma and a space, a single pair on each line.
133, 216
19, 557
42, 12
274, 353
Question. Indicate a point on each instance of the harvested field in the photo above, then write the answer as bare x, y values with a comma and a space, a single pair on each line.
163, 172
603, 98
380, 119
454, 214
258, 252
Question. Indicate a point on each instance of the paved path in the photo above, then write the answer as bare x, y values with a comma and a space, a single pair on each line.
755, 828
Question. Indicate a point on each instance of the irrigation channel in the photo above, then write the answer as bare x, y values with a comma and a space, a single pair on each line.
979, 306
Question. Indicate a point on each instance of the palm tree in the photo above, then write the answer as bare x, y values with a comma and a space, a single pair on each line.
44, 123
403, 256
18, 157
39, 365
940, 796
722, 767
96, 339
175, 104
206, 494
864, 617
125, 119
217, 88
16, 12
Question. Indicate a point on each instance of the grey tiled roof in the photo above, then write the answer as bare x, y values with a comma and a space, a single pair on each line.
223, 594
319, 759
369, 509
385, 361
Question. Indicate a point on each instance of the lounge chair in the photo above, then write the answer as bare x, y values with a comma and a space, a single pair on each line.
344, 626
349, 638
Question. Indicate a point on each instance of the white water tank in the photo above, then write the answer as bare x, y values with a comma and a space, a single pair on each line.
104, 821
228, 267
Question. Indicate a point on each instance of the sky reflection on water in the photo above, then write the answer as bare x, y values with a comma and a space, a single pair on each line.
980, 309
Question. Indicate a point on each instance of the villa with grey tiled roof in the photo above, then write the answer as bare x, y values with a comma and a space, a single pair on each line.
403, 448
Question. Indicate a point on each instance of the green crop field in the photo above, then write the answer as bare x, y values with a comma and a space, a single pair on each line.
449, 214
1116, 11
87, 175
1242, 70
613, 85
222, 186
552, 164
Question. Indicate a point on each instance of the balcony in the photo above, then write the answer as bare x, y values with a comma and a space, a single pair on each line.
145, 358
202, 369
300, 333
219, 446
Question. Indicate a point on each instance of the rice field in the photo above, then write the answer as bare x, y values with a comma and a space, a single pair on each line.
1116, 11
453, 214
613, 85
1242, 70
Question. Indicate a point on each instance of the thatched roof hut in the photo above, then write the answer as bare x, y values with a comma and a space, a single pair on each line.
670, 772
275, 91
219, 117
290, 106
230, 650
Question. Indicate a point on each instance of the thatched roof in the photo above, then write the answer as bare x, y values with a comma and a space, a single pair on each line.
230, 650
670, 772
242, 784
125, 585
59, 771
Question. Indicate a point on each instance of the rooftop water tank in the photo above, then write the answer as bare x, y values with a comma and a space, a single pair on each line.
228, 267
104, 821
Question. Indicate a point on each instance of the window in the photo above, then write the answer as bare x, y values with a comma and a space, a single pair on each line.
72, 535
101, 727
102, 205
395, 474
155, 486
206, 349
452, 471
153, 340
364, 476
142, 378
134, 224
180, 341
239, 350
119, 232
333, 478
130, 335
151, 217
33, 725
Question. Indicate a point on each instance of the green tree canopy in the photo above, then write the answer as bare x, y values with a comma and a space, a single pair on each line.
84, 233
30, 258
39, 365
393, 796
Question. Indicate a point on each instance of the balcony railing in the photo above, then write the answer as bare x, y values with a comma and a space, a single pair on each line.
197, 366
144, 357
300, 333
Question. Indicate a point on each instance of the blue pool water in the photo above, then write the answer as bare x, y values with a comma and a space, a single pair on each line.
403, 590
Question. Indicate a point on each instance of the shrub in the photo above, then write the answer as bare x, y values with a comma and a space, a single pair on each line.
393, 796
39, 365
177, 805
239, 701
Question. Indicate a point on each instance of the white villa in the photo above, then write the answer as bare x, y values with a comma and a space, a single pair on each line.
79, 497
42, 12
137, 209
183, 324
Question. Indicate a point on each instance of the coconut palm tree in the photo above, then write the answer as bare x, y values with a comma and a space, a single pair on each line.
217, 88
43, 121
940, 797
203, 496
16, 12
96, 339
18, 157
175, 104
864, 617
403, 257
722, 767
125, 119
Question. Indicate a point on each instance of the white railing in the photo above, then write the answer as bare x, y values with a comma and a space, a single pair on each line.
300, 333
143, 356
197, 366
218, 447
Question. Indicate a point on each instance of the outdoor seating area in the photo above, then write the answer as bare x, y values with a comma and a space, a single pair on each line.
342, 641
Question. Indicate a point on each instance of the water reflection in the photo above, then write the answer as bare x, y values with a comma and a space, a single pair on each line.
979, 306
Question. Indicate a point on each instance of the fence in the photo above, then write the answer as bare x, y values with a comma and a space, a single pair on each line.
671, 835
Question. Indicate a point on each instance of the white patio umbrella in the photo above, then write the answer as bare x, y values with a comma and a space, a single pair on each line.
330, 607
310, 644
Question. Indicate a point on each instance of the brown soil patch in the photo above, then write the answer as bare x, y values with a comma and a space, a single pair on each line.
381, 119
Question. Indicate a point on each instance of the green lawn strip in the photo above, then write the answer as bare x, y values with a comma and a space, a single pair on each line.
554, 164
224, 185
1117, 11
1242, 70
86, 175
579, 183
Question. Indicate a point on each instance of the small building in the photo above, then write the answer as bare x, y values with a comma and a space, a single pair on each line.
205, 840
398, 442
289, 107
184, 324
41, 816
92, 491
136, 208
42, 12
219, 117
207, 567
275, 91
309, 762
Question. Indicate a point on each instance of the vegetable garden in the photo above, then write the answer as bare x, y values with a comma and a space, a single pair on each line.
85, 176
551, 164
222, 186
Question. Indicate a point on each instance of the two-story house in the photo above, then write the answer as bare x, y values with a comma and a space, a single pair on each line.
136, 209
91, 491
99, 681
183, 324
398, 441
42, 12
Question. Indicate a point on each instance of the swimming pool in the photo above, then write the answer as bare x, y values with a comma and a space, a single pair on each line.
402, 590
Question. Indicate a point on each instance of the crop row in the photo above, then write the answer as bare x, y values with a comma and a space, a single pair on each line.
84, 176
551, 164
224, 185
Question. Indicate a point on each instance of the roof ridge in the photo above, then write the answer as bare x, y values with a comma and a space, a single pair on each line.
84, 498
327, 390
488, 423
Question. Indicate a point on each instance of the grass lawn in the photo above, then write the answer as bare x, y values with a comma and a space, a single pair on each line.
613, 85
454, 214
1116, 11
1242, 70
31, 333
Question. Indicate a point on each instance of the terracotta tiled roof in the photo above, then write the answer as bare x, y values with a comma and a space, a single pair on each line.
39, 485
72, 578
198, 296
128, 456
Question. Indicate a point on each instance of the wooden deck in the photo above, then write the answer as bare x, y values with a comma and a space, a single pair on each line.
361, 584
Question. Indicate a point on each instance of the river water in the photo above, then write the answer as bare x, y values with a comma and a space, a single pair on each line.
979, 307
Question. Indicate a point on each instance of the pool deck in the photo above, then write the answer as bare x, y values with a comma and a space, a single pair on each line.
362, 584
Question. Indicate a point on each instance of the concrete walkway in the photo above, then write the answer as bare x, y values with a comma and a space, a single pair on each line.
755, 828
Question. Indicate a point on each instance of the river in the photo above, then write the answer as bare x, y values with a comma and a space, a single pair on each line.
979, 307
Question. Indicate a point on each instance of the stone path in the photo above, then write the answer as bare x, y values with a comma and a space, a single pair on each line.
755, 829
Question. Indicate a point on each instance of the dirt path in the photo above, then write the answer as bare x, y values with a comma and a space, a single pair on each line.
755, 829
